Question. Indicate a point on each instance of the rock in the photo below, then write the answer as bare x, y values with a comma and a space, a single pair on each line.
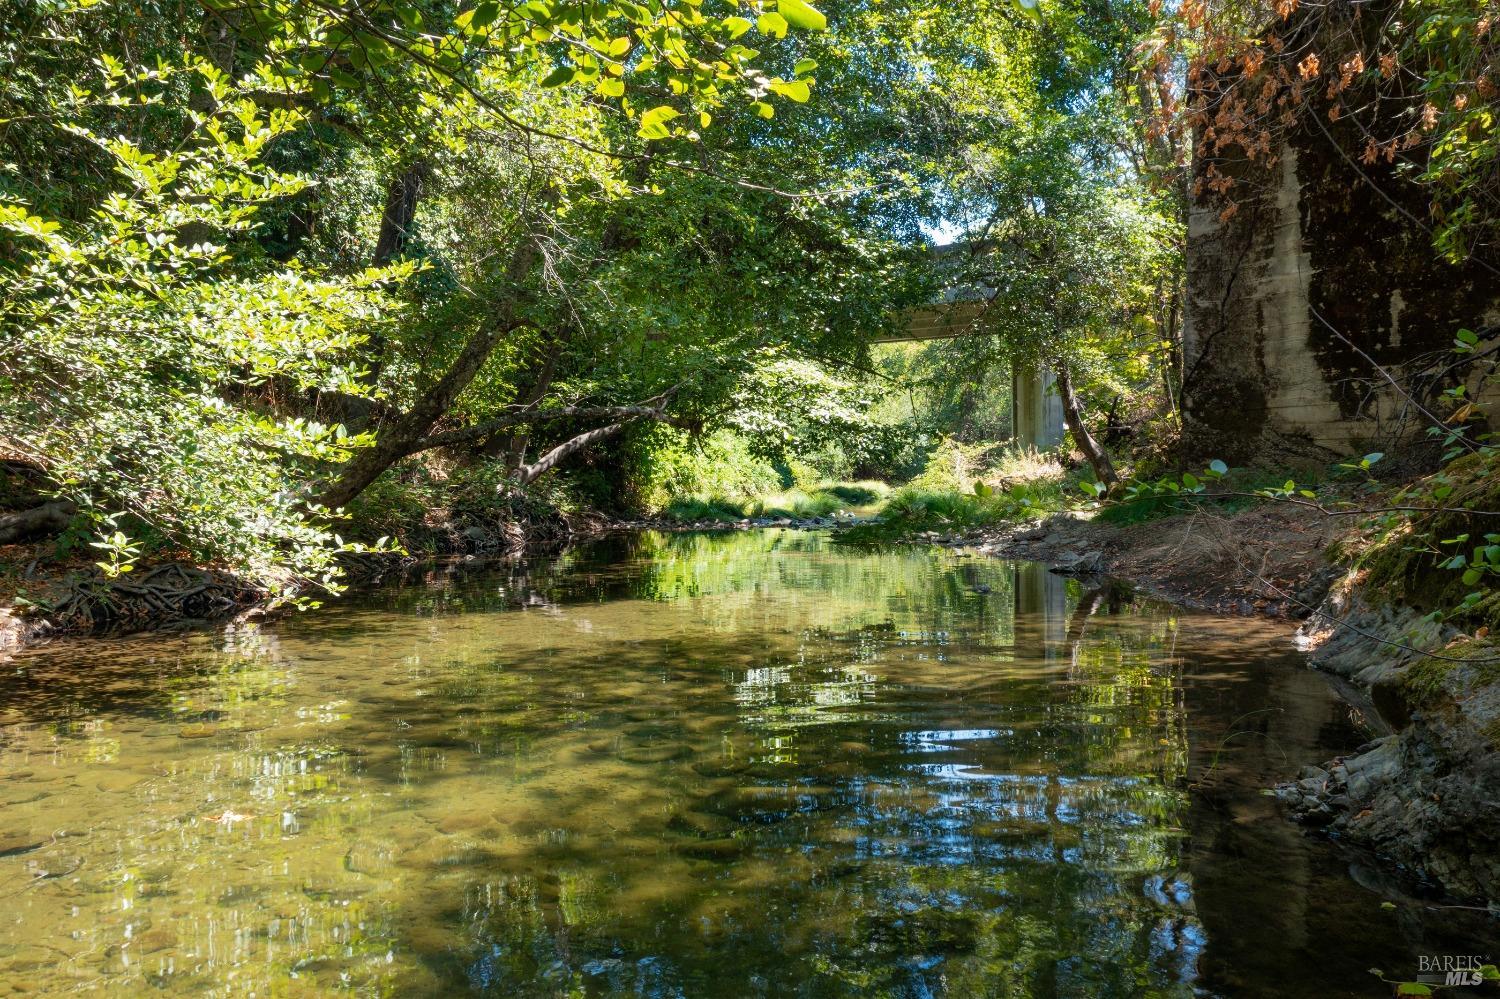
14, 842
440, 853
154, 940
653, 754
1082, 564
607, 966
700, 824
1389, 697
457, 822
718, 768
117, 782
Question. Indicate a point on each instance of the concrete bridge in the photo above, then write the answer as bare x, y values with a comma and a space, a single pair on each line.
1035, 407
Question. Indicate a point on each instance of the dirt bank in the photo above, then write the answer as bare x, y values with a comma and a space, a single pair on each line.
1267, 560
63, 600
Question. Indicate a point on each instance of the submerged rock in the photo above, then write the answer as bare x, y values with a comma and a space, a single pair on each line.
14, 842
724, 848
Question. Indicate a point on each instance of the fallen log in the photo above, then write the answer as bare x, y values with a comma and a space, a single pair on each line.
38, 522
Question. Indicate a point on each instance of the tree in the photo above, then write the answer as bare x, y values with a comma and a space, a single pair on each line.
130, 336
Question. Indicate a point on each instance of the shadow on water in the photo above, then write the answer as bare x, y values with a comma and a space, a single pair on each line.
691, 765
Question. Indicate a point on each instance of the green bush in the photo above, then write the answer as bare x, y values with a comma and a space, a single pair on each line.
673, 470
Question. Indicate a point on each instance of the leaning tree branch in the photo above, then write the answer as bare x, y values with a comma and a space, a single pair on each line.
527, 474
467, 435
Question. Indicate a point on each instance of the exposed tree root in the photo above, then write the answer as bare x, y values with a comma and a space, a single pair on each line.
161, 595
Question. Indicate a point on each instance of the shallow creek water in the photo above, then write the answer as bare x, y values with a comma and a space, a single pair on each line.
749, 764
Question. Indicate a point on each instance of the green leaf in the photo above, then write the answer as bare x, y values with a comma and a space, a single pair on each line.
654, 122
772, 23
611, 86
802, 15
804, 66
1190, 480
559, 76
796, 90
484, 15
638, 13
736, 26
763, 109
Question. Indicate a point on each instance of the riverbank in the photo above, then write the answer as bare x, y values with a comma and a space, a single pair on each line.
43, 596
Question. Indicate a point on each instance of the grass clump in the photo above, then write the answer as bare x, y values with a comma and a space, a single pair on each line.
915, 510
863, 493
694, 508
853, 498
795, 504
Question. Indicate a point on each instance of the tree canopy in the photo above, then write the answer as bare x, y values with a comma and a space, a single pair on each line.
260, 258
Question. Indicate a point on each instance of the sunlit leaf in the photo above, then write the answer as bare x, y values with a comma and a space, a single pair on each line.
772, 23
800, 14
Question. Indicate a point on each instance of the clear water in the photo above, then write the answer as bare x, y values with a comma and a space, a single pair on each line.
747, 764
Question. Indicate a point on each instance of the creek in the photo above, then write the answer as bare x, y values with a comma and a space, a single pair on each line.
733, 764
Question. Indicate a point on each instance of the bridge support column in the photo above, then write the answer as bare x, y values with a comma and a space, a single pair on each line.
1036, 412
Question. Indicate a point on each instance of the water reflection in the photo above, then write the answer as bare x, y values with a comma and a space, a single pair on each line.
746, 764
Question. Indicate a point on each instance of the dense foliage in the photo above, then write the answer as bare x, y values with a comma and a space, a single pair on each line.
265, 263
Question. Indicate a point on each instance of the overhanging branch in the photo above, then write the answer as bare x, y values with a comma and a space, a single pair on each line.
467, 435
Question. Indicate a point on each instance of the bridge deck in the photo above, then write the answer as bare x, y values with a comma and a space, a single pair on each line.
939, 322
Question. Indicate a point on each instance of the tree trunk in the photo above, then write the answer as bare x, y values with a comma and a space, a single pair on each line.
38, 522
401, 198
1104, 469
396, 439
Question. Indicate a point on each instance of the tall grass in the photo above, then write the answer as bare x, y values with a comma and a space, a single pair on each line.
853, 498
